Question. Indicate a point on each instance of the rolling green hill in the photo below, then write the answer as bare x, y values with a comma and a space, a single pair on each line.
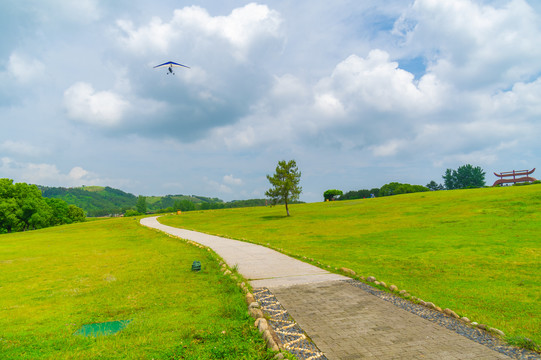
104, 200
475, 251
95, 200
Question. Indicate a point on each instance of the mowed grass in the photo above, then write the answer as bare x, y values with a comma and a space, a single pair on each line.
55, 280
474, 251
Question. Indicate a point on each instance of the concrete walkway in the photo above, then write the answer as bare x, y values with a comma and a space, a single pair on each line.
344, 321
262, 266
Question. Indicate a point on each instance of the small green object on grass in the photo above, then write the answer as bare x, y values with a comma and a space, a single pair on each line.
196, 266
104, 328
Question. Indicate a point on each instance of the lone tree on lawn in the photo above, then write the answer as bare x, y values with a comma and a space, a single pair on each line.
285, 183
141, 205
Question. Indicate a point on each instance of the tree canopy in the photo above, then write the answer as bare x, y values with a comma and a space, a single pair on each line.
141, 206
23, 208
285, 183
434, 186
360, 194
466, 176
332, 194
396, 188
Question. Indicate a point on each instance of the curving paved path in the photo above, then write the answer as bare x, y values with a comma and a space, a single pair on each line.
344, 321
264, 267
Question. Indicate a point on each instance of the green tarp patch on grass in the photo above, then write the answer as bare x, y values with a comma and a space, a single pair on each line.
104, 328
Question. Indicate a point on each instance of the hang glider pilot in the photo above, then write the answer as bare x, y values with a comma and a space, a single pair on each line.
170, 67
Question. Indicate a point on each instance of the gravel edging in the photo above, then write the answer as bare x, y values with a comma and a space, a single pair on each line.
451, 323
292, 337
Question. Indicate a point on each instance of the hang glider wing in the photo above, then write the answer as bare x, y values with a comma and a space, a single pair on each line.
171, 64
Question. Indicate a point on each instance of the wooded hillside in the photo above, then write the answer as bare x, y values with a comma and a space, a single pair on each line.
103, 201
94, 200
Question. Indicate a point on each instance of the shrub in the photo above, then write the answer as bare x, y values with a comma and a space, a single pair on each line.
131, 212
332, 194
396, 188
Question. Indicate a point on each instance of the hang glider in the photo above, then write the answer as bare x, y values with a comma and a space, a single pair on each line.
170, 66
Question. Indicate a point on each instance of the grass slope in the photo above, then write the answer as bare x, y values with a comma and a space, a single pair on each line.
55, 280
474, 251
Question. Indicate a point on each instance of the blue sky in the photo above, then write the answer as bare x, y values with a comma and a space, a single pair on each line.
359, 93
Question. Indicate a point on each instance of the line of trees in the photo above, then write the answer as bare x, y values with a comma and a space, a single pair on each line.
396, 188
465, 177
23, 208
187, 205
360, 194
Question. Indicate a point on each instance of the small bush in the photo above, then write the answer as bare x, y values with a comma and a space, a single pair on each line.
131, 212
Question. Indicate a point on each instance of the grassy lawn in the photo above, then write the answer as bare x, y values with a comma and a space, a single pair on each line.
474, 251
55, 280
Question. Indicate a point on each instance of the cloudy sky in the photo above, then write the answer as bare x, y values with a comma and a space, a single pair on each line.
360, 93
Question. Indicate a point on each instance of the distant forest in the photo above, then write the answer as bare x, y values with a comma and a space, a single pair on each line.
393, 188
104, 201
465, 177
95, 201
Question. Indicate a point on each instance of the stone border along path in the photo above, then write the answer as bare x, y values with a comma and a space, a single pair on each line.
289, 333
345, 319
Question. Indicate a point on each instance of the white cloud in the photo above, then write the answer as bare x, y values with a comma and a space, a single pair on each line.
231, 180
276, 117
156, 36
329, 105
215, 186
77, 173
247, 25
288, 88
49, 174
196, 76
473, 45
389, 148
172, 186
23, 68
522, 99
41, 173
486, 157
243, 28
22, 148
103, 108
376, 82
30, 172
371, 97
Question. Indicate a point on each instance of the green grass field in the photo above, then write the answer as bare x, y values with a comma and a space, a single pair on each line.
474, 251
55, 280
